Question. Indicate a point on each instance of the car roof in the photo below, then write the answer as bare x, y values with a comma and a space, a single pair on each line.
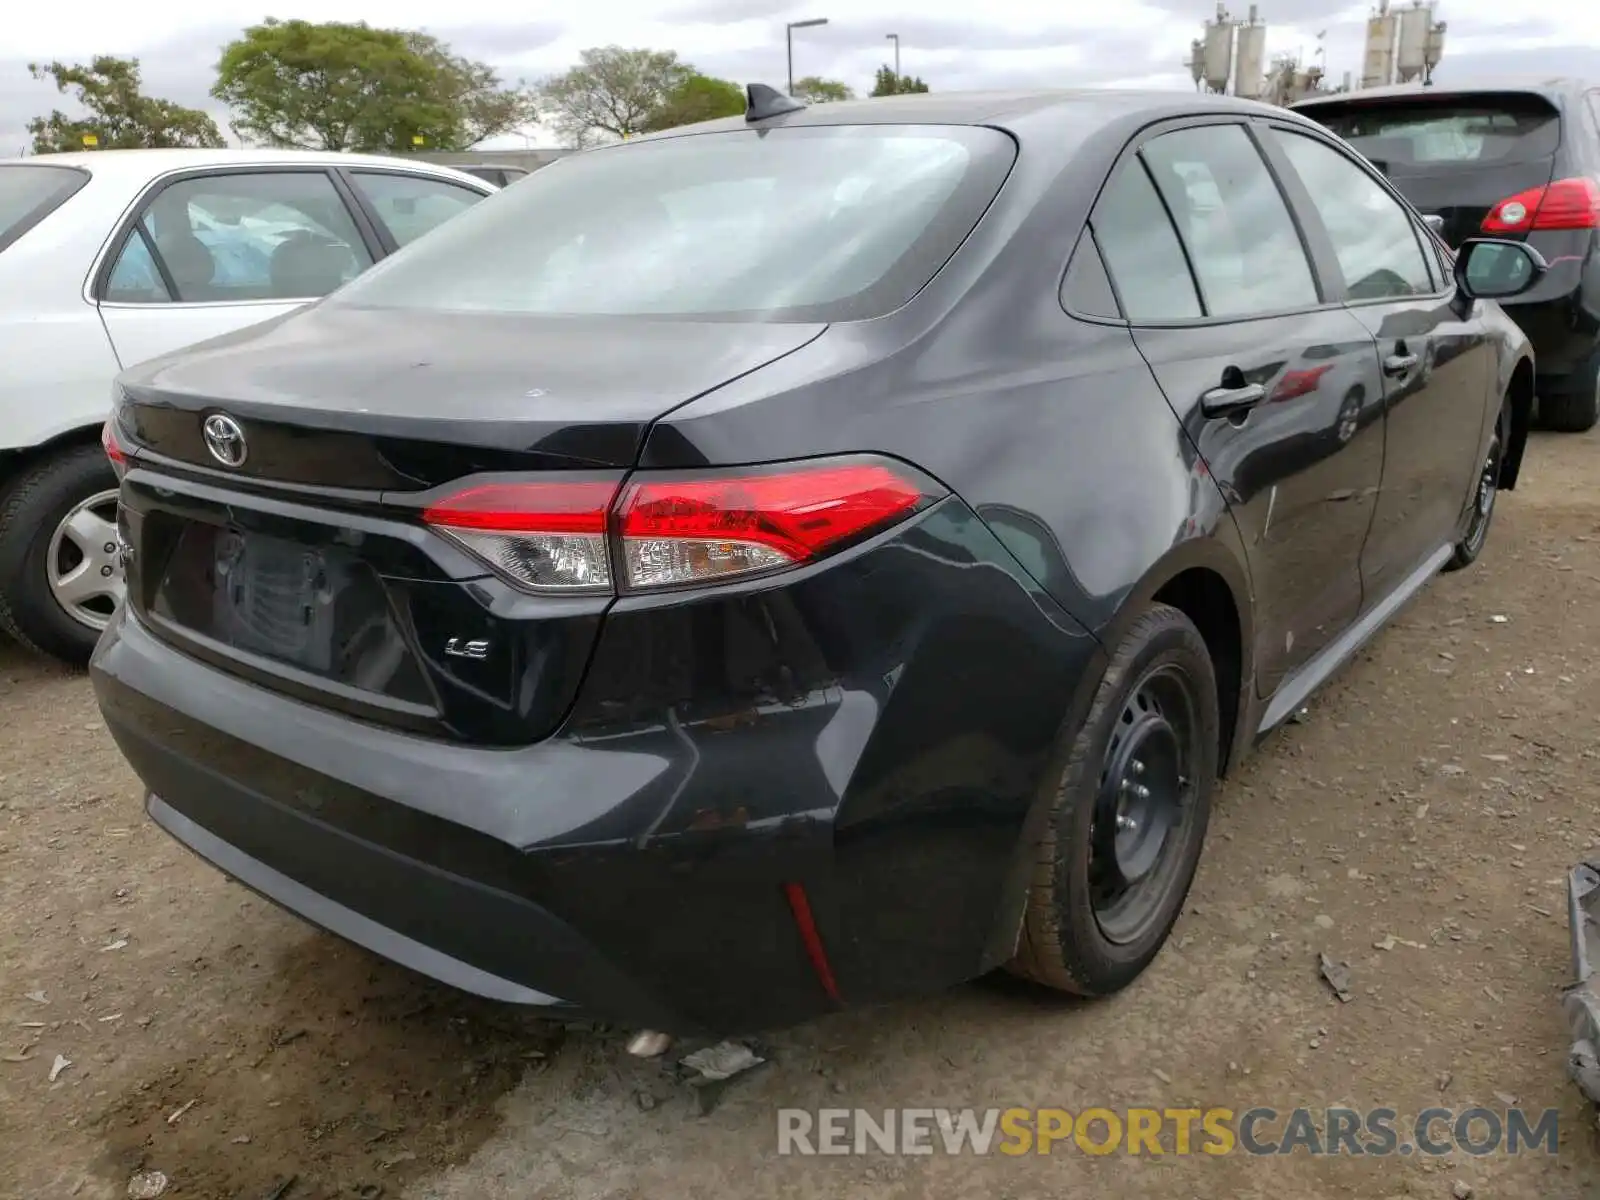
998, 108
145, 164
1542, 85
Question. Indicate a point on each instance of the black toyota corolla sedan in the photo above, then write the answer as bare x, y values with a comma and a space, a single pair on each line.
798, 561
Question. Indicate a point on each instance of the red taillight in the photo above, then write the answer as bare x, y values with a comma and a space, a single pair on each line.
547, 536
113, 448
671, 529
1565, 204
677, 531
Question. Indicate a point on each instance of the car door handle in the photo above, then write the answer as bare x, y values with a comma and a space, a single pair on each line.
1226, 401
1398, 364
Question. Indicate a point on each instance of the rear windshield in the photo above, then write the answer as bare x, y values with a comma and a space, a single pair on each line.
806, 224
1498, 130
28, 194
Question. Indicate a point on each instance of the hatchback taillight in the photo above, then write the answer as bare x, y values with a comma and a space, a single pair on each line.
1564, 204
669, 529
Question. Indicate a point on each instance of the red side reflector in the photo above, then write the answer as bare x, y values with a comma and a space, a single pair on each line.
1565, 204
800, 906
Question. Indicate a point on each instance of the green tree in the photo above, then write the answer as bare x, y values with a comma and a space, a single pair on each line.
120, 115
697, 98
342, 86
482, 106
613, 90
813, 89
887, 83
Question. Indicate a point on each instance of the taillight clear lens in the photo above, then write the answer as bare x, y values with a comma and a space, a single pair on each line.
673, 529
1565, 204
545, 536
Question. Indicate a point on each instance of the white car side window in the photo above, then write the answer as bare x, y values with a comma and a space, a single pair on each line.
241, 235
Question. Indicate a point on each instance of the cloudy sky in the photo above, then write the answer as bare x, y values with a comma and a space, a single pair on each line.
1013, 43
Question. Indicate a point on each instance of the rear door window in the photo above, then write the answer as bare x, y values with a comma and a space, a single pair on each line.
29, 194
1142, 251
257, 235
1246, 251
1377, 243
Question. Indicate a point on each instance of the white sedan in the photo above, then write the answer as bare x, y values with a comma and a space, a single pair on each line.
110, 258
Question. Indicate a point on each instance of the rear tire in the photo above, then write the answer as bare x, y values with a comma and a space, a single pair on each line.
1576, 411
1153, 727
32, 552
1486, 491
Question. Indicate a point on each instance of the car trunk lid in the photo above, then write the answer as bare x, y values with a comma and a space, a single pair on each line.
304, 565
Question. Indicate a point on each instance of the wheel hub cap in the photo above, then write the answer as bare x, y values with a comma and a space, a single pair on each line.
1140, 798
83, 567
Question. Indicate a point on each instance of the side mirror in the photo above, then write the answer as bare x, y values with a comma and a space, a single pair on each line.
1434, 222
1496, 269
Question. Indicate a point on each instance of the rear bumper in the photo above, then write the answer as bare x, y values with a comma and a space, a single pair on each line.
875, 730
317, 908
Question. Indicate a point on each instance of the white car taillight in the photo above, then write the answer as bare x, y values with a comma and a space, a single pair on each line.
115, 453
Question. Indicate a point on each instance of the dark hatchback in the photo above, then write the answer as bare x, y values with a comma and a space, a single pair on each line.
1506, 161
805, 560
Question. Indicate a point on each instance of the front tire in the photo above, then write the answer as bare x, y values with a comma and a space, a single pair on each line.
60, 570
1129, 814
1485, 493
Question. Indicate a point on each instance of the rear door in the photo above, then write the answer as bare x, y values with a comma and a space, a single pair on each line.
1275, 383
1454, 155
1437, 368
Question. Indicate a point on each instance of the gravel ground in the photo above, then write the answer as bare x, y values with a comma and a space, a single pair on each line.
1436, 795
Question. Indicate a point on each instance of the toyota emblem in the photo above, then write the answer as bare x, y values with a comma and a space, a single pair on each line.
225, 440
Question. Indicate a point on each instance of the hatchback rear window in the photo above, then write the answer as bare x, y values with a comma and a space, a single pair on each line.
30, 193
821, 223
1492, 130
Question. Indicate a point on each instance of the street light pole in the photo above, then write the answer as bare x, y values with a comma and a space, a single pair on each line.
788, 34
895, 38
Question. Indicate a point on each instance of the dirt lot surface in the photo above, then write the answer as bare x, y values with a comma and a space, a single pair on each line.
1436, 795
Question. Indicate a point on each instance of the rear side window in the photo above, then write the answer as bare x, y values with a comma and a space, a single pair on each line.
410, 205
1141, 249
1087, 289
1241, 239
828, 223
29, 194
1492, 130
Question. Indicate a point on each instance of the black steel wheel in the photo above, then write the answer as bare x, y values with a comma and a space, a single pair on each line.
1145, 796
1485, 492
1128, 814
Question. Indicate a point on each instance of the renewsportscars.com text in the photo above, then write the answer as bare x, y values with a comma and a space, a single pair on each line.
1259, 1131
